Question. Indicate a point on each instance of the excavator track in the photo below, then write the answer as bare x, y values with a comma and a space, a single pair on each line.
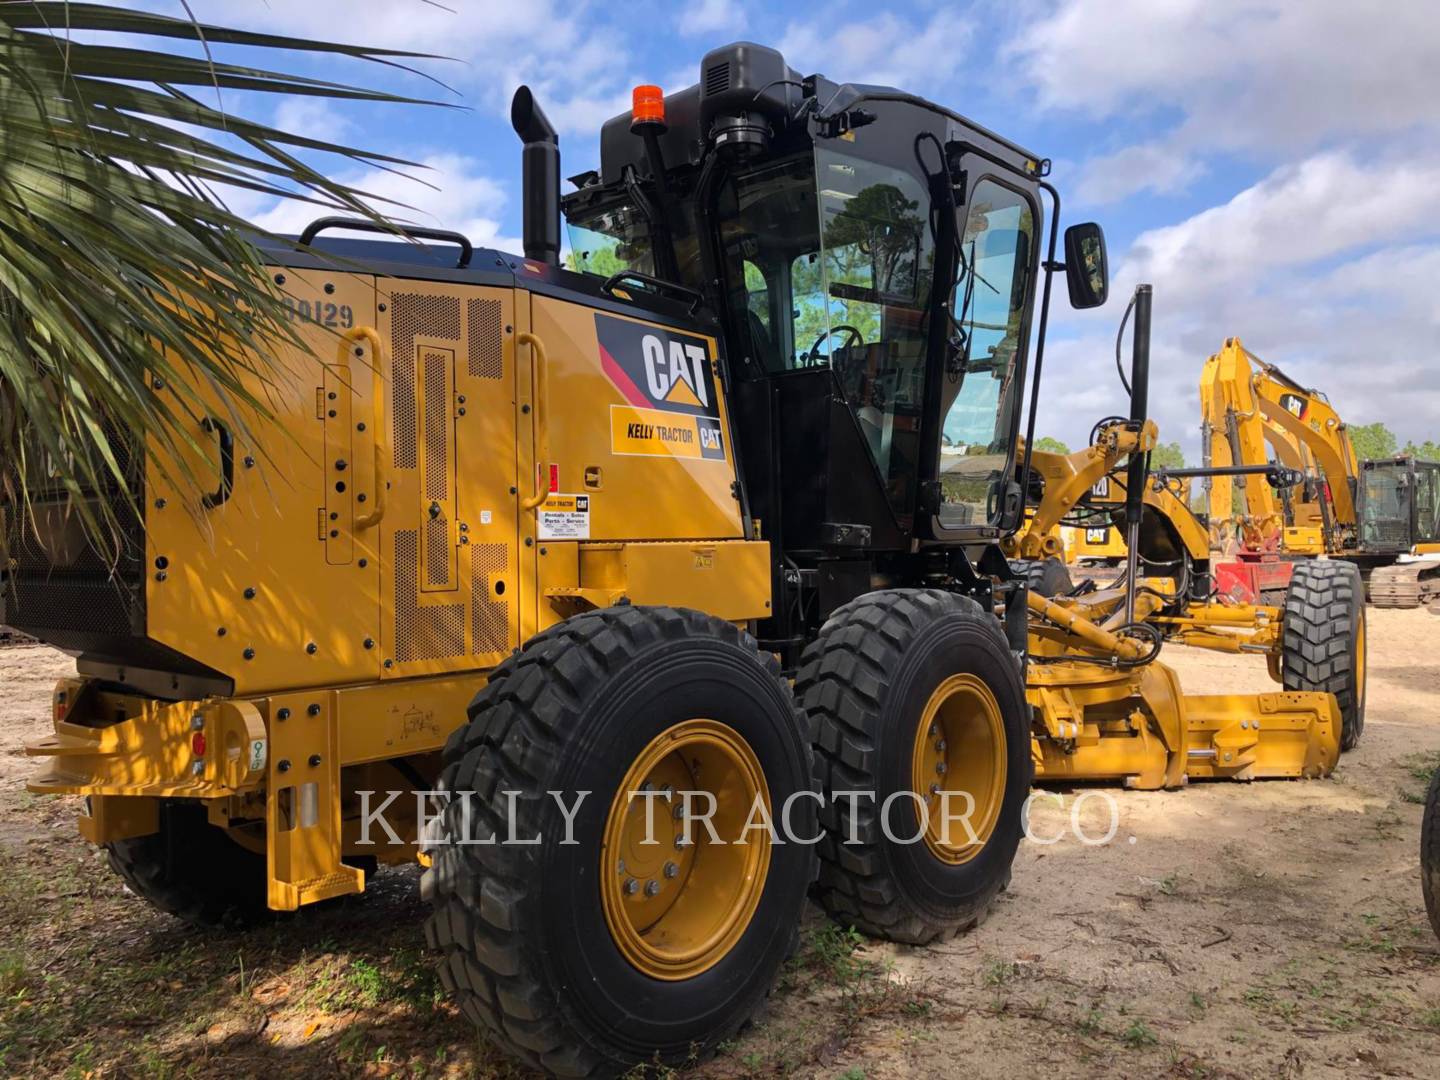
1406, 585
13, 639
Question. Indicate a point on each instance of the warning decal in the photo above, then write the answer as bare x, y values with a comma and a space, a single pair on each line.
654, 432
565, 517
656, 368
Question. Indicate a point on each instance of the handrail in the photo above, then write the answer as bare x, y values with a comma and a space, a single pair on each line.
413, 232
539, 387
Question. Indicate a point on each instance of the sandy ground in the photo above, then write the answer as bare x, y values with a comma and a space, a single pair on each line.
1228, 930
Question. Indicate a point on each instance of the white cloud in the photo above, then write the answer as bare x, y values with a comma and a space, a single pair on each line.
1142, 167
1263, 76
712, 17
311, 117
575, 63
885, 49
1324, 267
1325, 205
460, 197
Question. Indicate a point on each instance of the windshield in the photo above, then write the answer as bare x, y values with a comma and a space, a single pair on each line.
981, 391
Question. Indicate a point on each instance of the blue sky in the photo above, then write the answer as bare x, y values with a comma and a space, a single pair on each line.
1273, 168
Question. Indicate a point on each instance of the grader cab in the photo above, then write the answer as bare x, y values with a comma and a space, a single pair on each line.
671, 575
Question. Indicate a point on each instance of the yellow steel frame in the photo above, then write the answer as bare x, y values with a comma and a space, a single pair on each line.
1099, 718
1102, 712
418, 406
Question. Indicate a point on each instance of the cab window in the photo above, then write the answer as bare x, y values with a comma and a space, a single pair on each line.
980, 394
608, 241
830, 262
865, 316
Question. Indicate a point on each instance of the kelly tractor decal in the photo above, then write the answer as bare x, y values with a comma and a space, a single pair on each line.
668, 382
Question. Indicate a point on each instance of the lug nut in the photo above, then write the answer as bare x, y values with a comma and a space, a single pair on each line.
632, 887
681, 843
940, 767
652, 888
940, 746
671, 870
620, 867
934, 730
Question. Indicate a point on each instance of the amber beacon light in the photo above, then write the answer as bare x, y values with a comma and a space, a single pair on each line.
647, 106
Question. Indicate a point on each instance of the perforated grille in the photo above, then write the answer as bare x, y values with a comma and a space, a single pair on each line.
437, 554
489, 614
422, 633
437, 477
414, 315
487, 344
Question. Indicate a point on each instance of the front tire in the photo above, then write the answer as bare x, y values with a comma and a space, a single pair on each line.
586, 958
898, 684
1323, 639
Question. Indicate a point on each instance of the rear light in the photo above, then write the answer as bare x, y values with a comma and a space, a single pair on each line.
197, 743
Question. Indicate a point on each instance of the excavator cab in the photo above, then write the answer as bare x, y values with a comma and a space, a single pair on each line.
1399, 504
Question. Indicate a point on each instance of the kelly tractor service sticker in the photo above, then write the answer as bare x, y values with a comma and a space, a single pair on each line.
565, 517
672, 406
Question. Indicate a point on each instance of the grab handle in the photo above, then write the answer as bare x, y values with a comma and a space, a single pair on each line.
539, 380
221, 495
377, 395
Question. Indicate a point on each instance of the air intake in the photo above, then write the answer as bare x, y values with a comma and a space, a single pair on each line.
717, 78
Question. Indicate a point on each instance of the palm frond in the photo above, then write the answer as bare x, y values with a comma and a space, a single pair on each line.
121, 268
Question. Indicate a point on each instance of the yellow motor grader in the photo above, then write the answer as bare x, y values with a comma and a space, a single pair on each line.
538, 568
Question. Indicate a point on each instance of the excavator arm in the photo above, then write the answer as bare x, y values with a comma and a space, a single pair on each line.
1250, 411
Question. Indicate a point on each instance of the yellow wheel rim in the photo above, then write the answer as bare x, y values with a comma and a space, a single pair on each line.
1360, 673
675, 908
959, 749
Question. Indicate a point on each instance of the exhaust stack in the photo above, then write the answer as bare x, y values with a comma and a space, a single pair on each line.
540, 167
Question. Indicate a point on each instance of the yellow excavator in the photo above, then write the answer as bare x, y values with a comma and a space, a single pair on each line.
564, 582
1384, 516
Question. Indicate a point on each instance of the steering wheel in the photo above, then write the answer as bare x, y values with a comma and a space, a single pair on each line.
852, 337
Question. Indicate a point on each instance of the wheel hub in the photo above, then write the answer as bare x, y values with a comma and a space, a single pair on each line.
675, 899
959, 749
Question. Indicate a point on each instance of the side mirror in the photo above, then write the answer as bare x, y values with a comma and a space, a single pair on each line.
1086, 271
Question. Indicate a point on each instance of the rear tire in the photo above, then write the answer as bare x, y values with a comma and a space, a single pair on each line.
536, 951
866, 683
191, 869
1323, 639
